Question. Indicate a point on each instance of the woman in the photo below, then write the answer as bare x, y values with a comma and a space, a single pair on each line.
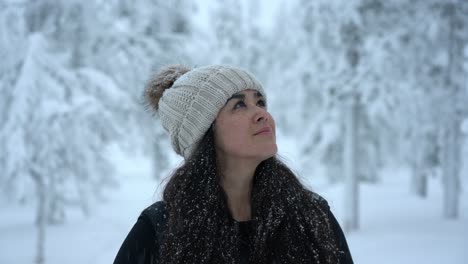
232, 201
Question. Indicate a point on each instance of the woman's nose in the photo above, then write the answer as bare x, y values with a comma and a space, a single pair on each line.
261, 115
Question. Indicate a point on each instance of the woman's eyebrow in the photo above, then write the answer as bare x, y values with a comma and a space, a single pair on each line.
242, 96
236, 96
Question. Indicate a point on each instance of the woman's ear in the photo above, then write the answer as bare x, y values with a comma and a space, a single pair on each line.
213, 125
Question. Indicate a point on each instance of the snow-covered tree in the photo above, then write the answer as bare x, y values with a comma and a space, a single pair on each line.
454, 14
72, 85
424, 54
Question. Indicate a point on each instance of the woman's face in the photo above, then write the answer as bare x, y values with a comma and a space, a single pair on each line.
244, 129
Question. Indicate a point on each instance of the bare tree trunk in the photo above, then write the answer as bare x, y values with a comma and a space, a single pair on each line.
160, 160
451, 171
452, 147
419, 177
350, 165
41, 217
421, 183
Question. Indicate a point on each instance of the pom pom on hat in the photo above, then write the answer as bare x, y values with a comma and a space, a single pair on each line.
161, 81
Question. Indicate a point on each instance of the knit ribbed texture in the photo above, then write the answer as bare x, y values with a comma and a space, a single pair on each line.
190, 106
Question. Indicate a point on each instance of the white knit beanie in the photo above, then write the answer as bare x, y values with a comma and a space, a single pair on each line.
194, 99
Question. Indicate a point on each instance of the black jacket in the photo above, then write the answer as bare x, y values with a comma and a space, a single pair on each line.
147, 234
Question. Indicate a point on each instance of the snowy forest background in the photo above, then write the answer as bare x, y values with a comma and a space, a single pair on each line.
370, 97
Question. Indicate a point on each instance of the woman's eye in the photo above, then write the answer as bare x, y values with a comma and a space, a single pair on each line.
239, 104
261, 103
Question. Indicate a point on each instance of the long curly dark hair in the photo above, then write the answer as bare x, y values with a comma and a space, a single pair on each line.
290, 224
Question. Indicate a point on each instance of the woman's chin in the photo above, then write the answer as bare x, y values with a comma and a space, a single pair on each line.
271, 152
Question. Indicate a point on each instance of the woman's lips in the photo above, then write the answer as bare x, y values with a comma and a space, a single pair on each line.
263, 131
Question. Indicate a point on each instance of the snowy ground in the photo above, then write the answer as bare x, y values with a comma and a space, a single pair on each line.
396, 227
